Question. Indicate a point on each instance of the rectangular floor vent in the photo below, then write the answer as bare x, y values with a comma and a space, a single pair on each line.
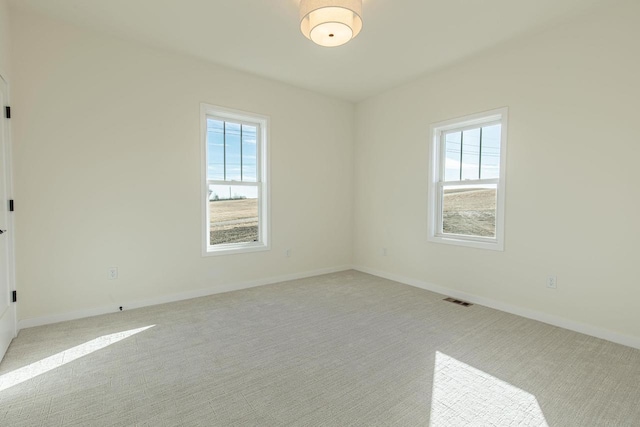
457, 301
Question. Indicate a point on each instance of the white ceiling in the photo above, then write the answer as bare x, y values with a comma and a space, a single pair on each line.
400, 40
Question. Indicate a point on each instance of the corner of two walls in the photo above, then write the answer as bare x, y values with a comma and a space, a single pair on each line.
571, 196
107, 173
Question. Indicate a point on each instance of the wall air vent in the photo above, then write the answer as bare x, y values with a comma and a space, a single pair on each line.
457, 301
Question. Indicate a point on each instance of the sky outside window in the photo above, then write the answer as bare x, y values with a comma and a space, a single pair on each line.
473, 154
231, 156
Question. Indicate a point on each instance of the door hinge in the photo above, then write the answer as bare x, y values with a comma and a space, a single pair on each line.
7, 112
14, 296
11, 205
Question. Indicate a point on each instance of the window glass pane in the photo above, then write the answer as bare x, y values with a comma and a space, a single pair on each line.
490, 159
232, 133
452, 156
469, 210
471, 154
233, 214
249, 158
215, 149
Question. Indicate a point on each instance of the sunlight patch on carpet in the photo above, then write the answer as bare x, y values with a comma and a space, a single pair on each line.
464, 396
40, 367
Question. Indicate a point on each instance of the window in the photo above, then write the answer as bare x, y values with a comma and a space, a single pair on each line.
466, 191
234, 191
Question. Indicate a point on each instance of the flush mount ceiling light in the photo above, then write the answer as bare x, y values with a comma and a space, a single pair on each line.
330, 22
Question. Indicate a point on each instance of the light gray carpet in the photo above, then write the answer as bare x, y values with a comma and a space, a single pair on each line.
336, 350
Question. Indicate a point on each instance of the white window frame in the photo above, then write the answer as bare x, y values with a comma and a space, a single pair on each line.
262, 180
436, 180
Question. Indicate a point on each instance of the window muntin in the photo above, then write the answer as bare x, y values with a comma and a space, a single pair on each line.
235, 191
467, 189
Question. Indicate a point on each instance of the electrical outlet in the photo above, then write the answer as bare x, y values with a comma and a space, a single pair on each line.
112, 273
383, 252
287, 253
552, 282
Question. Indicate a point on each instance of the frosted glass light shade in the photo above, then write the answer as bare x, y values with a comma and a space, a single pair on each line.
330, 22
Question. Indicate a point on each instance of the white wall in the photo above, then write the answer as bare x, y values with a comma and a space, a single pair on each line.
572, 197
4, 39
107, 166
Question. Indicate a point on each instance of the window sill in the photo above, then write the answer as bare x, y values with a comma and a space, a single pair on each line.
237, 248
493, 245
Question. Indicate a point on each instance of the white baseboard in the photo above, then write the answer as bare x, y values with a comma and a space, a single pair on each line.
550, 319
63, 317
